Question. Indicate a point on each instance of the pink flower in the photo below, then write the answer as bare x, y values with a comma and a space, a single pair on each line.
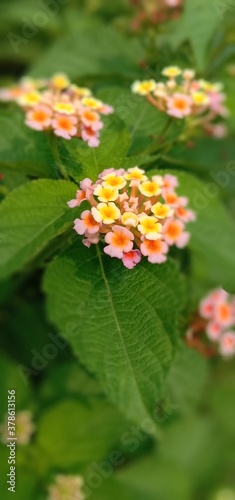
105, 109
155, 250
120, 241
174, 234
224, 314
173, 3
213, 330
86, 224
131, 259
185, 215
82, 194
179, 105
206, 308
216, 103
227, 344
91, 119
170, 182
91, 239
64, 126
39, 118
91, 137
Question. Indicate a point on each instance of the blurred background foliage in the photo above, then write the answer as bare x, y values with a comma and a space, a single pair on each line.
76, 427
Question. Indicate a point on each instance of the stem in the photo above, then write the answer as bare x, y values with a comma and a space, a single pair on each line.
56, 155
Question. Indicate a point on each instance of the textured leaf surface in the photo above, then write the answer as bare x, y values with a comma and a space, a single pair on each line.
30, 217
124, 323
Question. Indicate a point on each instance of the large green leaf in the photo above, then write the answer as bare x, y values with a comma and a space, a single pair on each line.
22, 148
115, 142
148, 479
186, 381
79, 55
72, 432
140, 117
197, 24
31, 216
124, 322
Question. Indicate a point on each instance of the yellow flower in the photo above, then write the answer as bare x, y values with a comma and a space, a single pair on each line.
115, 181
161, 211
64, 107
60, 81
130, 219
149, 227
200, 98
92, 103
144, 87
29, 99
81, 91
135, 174
150, 188
171, 71
106, 213
210, 87
106, 193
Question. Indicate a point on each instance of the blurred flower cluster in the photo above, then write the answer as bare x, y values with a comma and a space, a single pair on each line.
66, 487
24, 427
58, 105
134, 216
155, 11
216, 319
182, 96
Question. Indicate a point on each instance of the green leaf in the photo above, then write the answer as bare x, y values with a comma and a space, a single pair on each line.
148, 479
69, 379
212, 239
212, 234
22, 148
30, 217
115, 142
197, 25
74, 433
213, 158
124, 322
79, 55
186, 380
10, 379
141, 118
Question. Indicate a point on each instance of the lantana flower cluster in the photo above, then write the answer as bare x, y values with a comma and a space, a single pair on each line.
66, 487
132, 215
182, 96
216, 320
155, 11
58, 105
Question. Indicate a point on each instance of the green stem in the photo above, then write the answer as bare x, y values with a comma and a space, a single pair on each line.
56, 155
